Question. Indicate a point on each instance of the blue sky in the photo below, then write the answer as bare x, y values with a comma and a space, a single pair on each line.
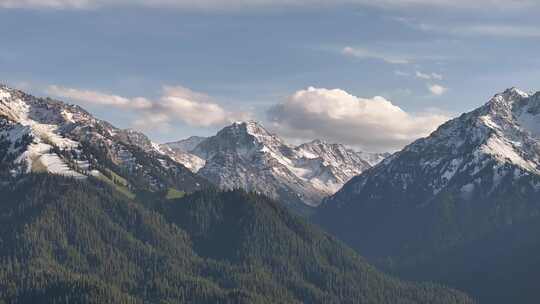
306, 69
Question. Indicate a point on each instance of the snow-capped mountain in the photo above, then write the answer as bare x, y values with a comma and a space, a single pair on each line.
474, 173
502, 137
185, 145
245, 155
179, 151
45, 135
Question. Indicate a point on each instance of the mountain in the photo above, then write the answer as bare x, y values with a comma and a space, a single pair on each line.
423, 212
179, 151
245, 155
80, 241
46, 135
186, 145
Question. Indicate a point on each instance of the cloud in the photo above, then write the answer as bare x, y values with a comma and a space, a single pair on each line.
193, 108
372, 124
253, 4
428, 76
368, 54
494, 30
401, 73
436, 89
501, 31
98, 98
177, 103
48, 4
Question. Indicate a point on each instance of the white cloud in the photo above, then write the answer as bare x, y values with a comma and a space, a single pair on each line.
495, 30
192, 107
501, 30
177, 103
401, 73
47, 4
373, 124
244, 4
364, 53
437, 89
99, 98
431, 76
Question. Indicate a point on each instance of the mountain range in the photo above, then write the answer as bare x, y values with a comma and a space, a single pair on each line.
45, 135
423, 212
94, 214
247, 156
204, 219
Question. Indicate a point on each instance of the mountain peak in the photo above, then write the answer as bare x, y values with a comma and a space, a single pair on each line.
246, 155
513, 91
250, 126
46, 135
509, 96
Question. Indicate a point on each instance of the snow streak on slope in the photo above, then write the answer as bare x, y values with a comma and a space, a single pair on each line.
37, 156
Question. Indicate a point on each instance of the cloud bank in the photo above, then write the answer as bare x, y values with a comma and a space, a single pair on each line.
372, 124
251, 4
177, 104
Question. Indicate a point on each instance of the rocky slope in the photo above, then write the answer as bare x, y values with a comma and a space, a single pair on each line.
45, 135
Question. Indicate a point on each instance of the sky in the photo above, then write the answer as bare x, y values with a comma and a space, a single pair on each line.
372, 76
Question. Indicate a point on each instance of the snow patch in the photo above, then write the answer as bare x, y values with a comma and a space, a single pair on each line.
56, 165
505, 152
4, 95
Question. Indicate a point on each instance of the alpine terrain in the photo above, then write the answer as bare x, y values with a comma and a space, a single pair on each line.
460, 206
45, 135
246, 156
84, 220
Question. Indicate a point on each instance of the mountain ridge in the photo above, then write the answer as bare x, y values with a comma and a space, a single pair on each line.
46, 135
474, 175
246, 155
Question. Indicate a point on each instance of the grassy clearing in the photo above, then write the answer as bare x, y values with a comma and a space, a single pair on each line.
120, 184
174, 194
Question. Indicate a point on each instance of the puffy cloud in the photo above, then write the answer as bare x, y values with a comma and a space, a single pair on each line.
193, 108
243, 4
372, 124
436, 89
177, 103
364, 53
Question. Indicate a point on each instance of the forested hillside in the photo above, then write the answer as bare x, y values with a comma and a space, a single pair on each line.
67, 241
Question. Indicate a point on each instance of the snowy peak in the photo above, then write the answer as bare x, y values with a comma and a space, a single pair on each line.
474, 175
46, 135
185, 145
243, 139
475, 153
246, 155
330, 151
